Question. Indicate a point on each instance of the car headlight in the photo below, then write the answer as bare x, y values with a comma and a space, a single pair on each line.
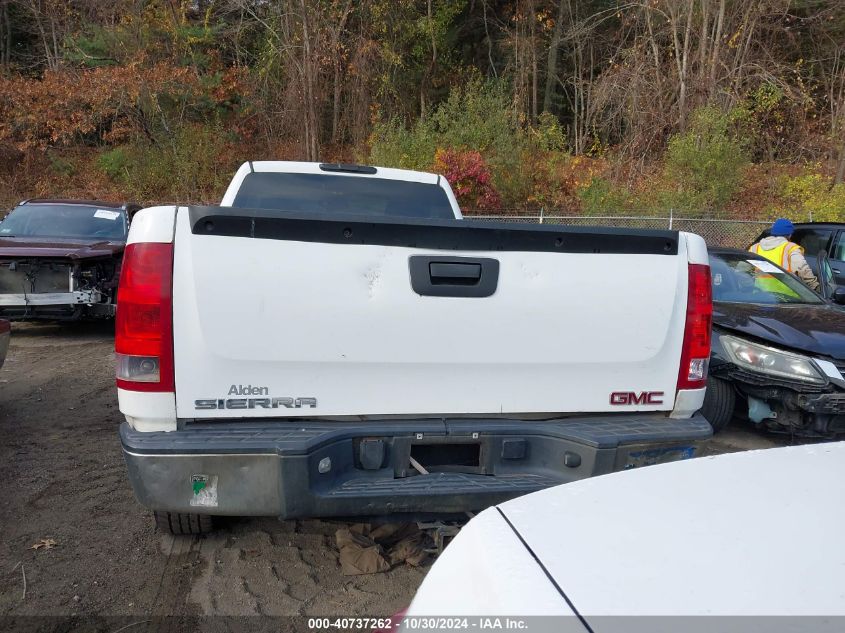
774, 362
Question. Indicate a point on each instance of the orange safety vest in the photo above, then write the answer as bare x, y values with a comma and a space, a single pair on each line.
779, 255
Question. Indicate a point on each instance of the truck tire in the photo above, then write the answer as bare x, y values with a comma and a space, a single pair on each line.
178, 523
719, 403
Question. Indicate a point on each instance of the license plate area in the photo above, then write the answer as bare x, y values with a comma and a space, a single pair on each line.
462, 457
441, 454
649, 455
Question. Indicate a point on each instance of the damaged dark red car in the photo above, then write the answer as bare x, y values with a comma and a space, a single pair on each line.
60, 259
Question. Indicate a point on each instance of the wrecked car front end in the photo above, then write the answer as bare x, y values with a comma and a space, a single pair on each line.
57, 288
777, 350
60, 259
781, 390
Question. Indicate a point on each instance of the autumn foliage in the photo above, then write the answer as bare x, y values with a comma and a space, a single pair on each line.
108, 105
469, 177
701, 107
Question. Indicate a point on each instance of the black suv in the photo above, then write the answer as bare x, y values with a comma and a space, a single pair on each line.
815, 237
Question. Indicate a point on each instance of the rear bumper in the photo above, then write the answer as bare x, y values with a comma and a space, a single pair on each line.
319, 469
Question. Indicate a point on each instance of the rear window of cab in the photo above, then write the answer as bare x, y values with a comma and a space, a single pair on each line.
353, 195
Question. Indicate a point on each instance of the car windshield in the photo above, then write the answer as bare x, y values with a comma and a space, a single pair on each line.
738, 278
327, 193
65, 221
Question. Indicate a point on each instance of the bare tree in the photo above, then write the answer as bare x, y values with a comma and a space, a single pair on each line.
5, 33
552, 58
51, 20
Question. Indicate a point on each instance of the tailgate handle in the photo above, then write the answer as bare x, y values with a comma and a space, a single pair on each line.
443, 273
438, 276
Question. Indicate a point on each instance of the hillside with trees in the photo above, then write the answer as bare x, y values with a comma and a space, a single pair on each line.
710, 108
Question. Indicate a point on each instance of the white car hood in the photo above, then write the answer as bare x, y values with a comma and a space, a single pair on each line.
486, 571
755, 533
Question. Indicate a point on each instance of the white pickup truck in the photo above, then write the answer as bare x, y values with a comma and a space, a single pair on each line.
333, 340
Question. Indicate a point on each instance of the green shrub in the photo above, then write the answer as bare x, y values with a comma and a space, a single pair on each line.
192, 165
61, 166
113, 163
704, 165
548, 135
476, 117
479, 116
812, 196
93, 48
394, 145
601, 197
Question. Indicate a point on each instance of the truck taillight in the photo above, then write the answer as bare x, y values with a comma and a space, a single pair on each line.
143, 339
695, 354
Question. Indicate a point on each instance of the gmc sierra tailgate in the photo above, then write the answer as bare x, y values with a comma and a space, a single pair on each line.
280, 314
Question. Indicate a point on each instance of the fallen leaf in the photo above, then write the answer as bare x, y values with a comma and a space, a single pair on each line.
46, 543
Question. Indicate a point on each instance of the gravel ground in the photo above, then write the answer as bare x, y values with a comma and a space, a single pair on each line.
63, 479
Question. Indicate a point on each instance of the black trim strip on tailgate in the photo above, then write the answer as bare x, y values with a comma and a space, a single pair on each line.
462, 235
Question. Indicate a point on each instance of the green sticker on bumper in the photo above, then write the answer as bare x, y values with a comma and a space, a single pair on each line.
199, 482
204, 488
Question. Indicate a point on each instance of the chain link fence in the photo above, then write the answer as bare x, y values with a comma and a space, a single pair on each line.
729, 233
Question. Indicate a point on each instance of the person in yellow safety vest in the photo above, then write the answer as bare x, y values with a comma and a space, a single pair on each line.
778, 249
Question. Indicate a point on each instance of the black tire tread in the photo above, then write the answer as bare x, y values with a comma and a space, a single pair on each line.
181, 523
719, 403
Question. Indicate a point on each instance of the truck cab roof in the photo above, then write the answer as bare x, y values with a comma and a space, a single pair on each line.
341, 188
347, 169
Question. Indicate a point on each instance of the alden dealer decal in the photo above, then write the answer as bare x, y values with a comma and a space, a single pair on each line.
262, 400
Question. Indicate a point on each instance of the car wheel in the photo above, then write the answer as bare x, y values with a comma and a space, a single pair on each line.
179, 523
719, 403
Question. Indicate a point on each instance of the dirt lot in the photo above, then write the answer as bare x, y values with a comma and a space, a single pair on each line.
63, 478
